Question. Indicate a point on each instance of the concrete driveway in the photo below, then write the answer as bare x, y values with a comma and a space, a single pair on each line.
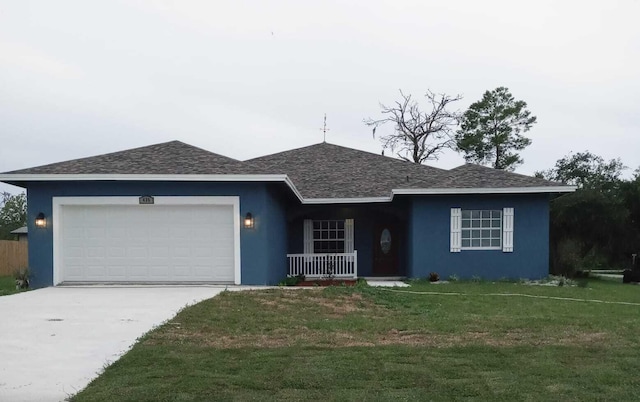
54, 341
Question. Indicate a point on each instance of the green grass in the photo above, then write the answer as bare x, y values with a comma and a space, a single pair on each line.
8, 286
372, 344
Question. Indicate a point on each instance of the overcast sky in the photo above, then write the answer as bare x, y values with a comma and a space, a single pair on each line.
249, 78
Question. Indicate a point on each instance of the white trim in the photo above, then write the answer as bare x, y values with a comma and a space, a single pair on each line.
59, 202
456, 232
507, 230
485, 190
8, 177
143, 177
346, 200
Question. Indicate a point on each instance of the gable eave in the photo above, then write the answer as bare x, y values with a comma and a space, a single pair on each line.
484, 190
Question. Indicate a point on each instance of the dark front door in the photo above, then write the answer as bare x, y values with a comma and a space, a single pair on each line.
385, 249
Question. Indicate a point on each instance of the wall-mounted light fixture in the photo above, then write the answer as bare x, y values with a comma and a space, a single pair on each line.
249, 221
41, 221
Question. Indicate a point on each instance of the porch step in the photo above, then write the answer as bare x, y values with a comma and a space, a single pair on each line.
387, 282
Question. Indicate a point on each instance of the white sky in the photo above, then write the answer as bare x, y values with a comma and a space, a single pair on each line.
249, 78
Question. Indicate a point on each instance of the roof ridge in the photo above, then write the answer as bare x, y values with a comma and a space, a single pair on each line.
348, 149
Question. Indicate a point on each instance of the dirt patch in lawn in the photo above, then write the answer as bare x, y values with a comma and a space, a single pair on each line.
312, 317
335, 306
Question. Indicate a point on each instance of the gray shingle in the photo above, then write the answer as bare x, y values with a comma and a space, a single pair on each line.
173, 157
476, 176
331, 171
318, 171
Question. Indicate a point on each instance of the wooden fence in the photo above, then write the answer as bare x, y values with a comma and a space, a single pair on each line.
13, 255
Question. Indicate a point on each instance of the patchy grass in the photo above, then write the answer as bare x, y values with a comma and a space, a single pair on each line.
8, 286
475, 341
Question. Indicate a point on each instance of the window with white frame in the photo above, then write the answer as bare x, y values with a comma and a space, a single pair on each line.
328, 236
482, 229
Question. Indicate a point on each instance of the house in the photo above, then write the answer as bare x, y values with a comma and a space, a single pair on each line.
174, 213
21, 233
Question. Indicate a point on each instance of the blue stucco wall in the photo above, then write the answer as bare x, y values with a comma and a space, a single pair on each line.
429, 245
277, 235
263, 248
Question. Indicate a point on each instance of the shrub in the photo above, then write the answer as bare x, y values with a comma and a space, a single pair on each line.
434, 277
22, 278
291, 280
476, 279
362, 283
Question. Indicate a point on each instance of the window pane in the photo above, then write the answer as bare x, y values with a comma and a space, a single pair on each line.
486, 243
466, 224
332, 235
475, 214
495, 233
475, 243
316, 224
466, 214
325, 225
486, 214
475, 234
486, 234
475, 224
486, 224
466, 243
341, 234
466, 234
496, 214
495, 223
340, 224
495, 242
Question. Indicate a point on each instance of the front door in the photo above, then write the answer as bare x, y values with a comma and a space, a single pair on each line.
385, 249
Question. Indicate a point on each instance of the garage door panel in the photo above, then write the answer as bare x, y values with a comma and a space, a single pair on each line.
154, 243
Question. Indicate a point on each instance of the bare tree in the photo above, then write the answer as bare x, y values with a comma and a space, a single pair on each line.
419, 135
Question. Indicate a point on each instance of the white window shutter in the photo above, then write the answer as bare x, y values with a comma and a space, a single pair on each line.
348, 236
308, 236
507, 230
456, 218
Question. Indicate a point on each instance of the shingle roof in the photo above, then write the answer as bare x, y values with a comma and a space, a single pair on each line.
320, 171
22, 230
172, 157
476, 176
331, 171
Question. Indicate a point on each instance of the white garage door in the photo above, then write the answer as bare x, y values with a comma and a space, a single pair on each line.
146, 243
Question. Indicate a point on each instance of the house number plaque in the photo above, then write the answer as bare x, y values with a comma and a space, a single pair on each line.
145, 200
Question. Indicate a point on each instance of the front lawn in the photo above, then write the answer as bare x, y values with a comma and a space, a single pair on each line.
477, 341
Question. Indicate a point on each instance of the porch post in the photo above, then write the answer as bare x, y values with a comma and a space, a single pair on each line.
355, 264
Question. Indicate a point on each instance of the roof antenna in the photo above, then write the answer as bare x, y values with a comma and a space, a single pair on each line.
324, 129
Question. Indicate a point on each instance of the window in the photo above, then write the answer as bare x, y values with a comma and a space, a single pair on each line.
481, 229
328, 236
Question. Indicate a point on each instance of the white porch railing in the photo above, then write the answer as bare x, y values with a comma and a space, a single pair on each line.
341, 265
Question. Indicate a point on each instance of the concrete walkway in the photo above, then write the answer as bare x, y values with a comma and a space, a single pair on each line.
54, 341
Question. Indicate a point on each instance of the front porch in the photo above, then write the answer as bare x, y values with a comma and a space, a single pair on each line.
324, 266
347, 242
